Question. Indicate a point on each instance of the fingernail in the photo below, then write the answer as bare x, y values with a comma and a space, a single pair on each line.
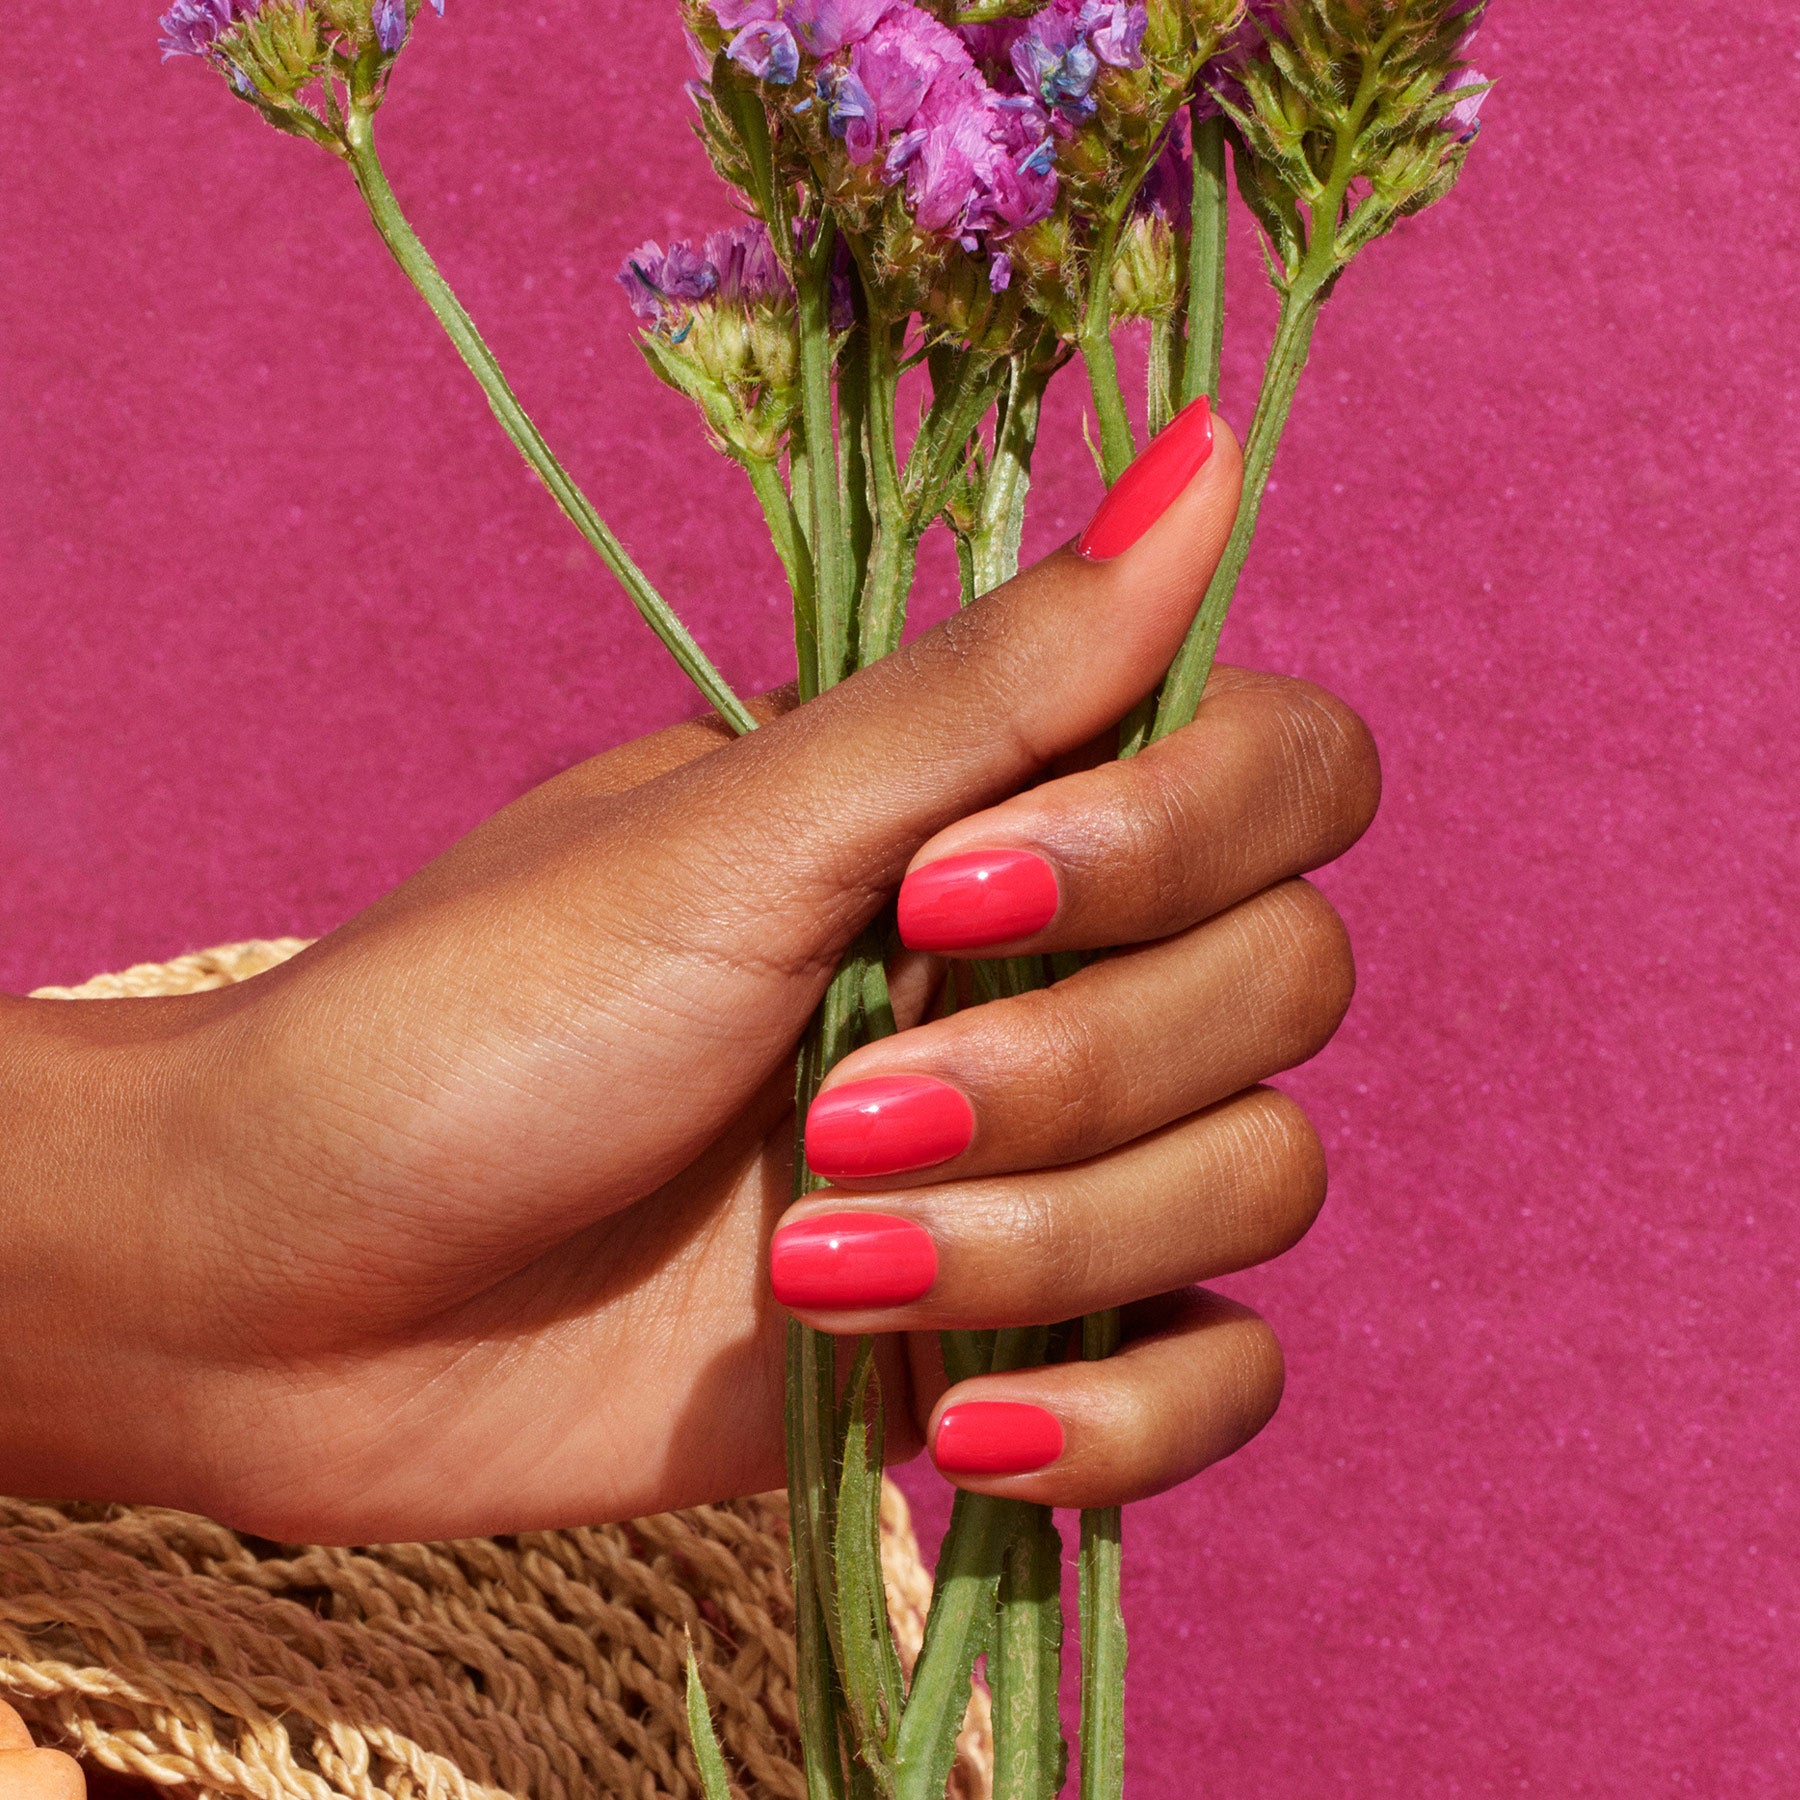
988, 897
1144, 492
996, 1437
887, 1126
851, 1262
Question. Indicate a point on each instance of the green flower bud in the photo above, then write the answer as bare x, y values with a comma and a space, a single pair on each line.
1146, 274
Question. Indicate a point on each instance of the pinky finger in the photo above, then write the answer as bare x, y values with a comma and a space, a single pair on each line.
1196, 1379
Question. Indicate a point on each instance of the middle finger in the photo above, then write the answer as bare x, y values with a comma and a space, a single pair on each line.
1122, 1048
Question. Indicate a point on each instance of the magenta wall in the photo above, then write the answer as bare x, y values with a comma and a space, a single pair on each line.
280, 616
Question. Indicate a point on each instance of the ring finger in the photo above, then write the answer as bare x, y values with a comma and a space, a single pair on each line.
1230, 1188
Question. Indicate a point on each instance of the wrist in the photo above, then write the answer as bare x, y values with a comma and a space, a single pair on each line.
89, 1189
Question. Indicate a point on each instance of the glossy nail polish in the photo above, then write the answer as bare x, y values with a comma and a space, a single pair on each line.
851, 1262
968, 902
887, 1126
1145, 491
996, 1437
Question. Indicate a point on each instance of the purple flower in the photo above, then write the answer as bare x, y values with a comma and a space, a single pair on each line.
653, 278
941, 176
1019, 172
991, 47
736, 267
985, 166
850, 112
1055, 63
1261, 21
906, 58
192, 27
1168, 189
766, 49
1000, 273
824, 27
1057, 57
744, 265
389, 19
975, 162
1116, 30
1463, 120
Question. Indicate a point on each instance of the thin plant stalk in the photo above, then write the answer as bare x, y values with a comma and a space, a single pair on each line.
1117, 446
1001, 522
415, 261
1102, 1618
830, 545
890, 560
1304, 291
1025, 1663
1186, 680
854, 424
1206, 261
1164, 372
960, 1624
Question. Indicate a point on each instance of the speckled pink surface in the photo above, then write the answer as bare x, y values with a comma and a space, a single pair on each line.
280, 616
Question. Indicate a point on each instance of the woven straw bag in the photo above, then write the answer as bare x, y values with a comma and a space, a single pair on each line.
543, 1666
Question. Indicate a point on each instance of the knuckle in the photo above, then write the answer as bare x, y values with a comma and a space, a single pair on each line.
1162, 840
1044, 1250
1072, 1073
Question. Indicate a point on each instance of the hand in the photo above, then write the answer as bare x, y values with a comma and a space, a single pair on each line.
460, 1221
27, 1773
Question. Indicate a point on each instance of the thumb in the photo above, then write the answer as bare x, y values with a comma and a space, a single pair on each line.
850, 786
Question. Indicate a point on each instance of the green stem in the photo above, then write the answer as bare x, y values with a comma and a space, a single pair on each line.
416, 262
854, 374
1186, 680
830, 546
1163, 374
890, 557
1102, 1619
965, 569
820, 1705
1117, 447
1002, 518
1025, 1664
855, 1008
1206, 262
964, 384
960, 1624
796, 561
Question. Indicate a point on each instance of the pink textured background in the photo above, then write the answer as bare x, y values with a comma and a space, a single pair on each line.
280, 616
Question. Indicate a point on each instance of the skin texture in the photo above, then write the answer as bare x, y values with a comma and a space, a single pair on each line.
27, 1773
459, 1222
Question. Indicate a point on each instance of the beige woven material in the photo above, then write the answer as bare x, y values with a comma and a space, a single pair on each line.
544, 1666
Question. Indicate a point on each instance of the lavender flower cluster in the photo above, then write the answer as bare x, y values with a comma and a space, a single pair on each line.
735, 267
968, 120
196, 27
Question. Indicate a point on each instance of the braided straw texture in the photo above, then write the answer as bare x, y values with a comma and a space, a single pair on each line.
545, 1666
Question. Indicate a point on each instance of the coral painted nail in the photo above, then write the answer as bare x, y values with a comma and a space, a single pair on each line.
886, 1126
996, 1437
969, 902
851, 1262
1147, 489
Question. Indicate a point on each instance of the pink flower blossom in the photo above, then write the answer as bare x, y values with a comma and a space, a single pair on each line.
1463, 121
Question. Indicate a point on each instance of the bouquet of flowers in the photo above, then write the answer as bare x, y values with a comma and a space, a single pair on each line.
940, 208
